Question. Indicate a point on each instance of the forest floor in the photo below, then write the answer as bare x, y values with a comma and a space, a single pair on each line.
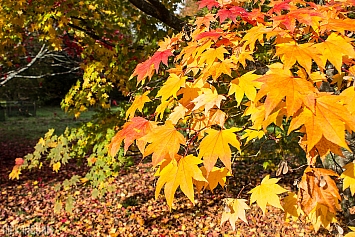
27, 204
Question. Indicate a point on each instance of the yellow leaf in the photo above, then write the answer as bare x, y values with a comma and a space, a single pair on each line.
56, 166
351, 234
321, 216
266, 193
171, 86
137, 104
245, 84
215, 177
234, 209
179, 173
15, 173
165, 142
178, 113
211, 54
216, 145
349, 177
291, 207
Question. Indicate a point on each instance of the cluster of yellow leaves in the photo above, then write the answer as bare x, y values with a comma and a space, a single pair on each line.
211, 67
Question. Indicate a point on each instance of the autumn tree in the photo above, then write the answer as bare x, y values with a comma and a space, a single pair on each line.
249, 71
242, 73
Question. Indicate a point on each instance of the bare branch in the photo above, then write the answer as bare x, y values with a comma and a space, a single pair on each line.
49, 74
16, 73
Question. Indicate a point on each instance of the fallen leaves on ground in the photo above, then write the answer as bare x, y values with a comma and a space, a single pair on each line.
132, 210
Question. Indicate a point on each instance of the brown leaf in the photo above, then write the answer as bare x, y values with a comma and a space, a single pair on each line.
317, 187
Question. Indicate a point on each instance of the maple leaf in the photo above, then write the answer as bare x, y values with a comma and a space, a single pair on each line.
242, 57
160, 110
160, 57
137, 104
305, 16
208, 99
56, 166
266, 193
246, 84
340, 25
328, 120
205, 20
257, 33
208, 3
135, 129
143, 70
280, 84
218, 68
165, 142
348, 177
146, 68
348, 97
216, 116
15, 173
334, 48
321, 216
278, 6
178, 113
216, 145
291, 207
234, 209
231, 13
317, 186
181, 173
215, 177
171, 86
301, 53
211, 54
212, 34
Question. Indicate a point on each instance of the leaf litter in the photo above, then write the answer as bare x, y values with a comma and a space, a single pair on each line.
132, 210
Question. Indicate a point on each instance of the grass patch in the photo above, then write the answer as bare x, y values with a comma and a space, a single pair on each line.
32, 128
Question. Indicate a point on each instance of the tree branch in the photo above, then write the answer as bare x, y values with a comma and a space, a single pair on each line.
16, 73
157, 10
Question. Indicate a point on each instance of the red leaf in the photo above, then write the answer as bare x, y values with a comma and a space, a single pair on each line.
208, 3
214, 35
160, 56
231, 13
18, 161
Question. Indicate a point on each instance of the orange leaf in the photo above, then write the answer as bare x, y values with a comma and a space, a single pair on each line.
135, 129
165, 142
329, 120
334, 48
215, 145
301, 53
280, 84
